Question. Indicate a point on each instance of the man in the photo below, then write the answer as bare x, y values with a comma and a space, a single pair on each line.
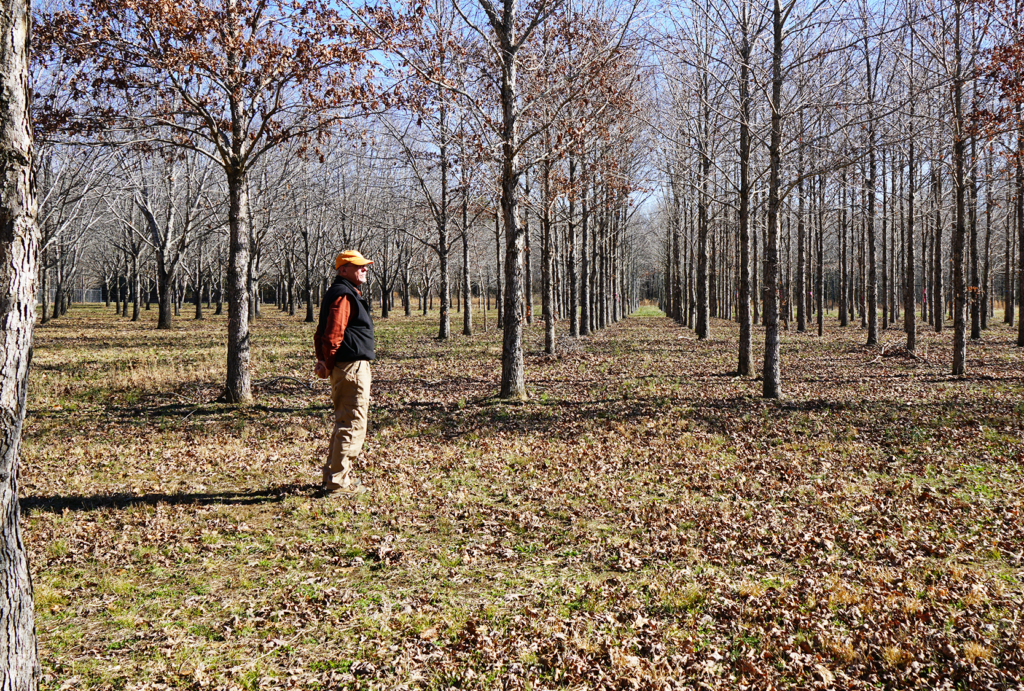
344, 347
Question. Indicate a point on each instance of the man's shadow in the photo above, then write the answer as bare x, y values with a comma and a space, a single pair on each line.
269, 495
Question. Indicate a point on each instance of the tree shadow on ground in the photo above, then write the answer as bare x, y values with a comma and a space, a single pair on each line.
749, 414
123, 500
213, 410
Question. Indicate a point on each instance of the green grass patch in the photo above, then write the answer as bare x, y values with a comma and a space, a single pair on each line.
643, 515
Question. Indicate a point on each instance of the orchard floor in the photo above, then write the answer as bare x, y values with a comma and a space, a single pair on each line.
645, 521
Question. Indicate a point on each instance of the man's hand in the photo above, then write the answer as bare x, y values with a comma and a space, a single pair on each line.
321, 369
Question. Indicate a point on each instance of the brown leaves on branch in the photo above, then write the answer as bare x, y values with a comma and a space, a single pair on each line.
1002, 67
263, 71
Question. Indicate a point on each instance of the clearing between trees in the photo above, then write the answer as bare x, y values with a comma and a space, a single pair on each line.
645, 520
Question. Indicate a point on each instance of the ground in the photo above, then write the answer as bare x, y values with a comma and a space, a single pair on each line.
644, 521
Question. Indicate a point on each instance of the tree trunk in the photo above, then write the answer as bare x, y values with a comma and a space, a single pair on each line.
703, 304
885, 257
252, 280
197, 297
1008, 260
584, 269
756, 316
484, 301
959, 284
788, 283
220, 288
528, 252
986, 271
238, 387
862, 261
677, 266
801, 231
771, 386
819, 269
307, 282
852, 243
19, 247
58, 295
743, 368
406, 289
573, 278
44, 288
1020, 225
937, 308
872, 277
975, 295
513, 376
136, 289
843, 251
309, 319
688, 288
467, 286
546, 279
604, 273
444, 293
498, 300
164, 294
895, 246
910, 284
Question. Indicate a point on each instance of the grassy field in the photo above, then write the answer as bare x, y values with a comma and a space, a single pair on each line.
644, 521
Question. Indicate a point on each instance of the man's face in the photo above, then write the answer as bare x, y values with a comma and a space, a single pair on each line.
353, 273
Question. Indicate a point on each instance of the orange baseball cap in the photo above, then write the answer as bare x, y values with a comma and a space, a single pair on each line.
350, 257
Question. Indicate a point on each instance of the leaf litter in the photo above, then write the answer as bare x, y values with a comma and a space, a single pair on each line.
644, 521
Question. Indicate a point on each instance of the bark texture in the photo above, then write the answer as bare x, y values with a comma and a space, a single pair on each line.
19, 261
513, 377
771, 375
238, 388
743, 366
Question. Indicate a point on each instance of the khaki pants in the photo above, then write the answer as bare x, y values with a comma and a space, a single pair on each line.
350, 392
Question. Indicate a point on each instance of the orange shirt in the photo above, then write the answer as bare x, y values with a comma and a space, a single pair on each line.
334, 331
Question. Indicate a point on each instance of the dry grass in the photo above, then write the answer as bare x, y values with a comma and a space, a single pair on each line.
752, 590
894, 656
644, 520
841, 650
974, 651
975, 596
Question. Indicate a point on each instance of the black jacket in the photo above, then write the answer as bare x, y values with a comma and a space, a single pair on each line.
357, 342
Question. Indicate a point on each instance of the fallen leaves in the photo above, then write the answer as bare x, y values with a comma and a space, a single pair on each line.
866, 532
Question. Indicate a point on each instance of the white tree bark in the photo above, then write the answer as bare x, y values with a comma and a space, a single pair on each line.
19, 258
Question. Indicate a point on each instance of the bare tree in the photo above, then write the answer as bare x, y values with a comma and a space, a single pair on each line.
506, 29
231, 81
171, 192
19, 247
